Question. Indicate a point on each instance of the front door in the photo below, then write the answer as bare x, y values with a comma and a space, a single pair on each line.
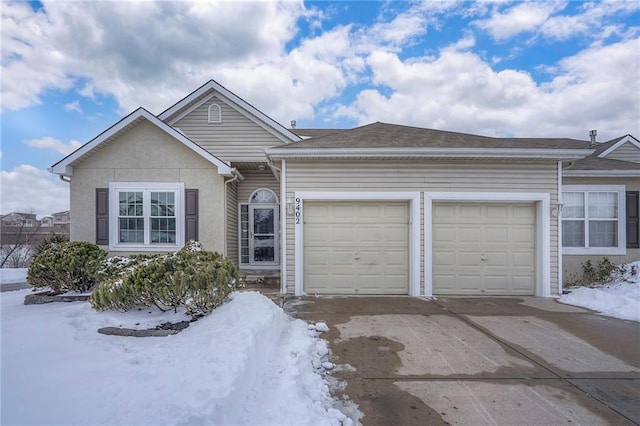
263, 239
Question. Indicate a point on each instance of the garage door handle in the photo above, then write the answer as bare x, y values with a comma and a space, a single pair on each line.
483, 257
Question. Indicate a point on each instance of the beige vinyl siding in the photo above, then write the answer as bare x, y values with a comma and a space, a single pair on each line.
147, 154
255, 179
572, 264
626, 152
441, 176
232, 222
237, 138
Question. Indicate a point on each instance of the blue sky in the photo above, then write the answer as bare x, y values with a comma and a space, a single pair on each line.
537, 69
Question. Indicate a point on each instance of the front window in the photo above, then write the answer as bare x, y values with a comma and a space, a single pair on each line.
592, 220
148, 215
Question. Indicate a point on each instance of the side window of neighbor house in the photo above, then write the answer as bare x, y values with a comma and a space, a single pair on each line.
591, 220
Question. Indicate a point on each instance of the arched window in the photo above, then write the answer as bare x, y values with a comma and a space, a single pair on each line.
263, 195
215, 114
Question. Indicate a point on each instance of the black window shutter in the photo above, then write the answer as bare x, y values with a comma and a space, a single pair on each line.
102, 216
633, 232
191, 214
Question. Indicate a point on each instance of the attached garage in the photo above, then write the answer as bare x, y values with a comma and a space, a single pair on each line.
356, 247
484, 248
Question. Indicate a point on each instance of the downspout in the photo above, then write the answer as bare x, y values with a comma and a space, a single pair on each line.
283, 227
560, 227
237, 176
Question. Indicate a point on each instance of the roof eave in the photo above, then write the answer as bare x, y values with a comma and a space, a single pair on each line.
601, 173
558, 154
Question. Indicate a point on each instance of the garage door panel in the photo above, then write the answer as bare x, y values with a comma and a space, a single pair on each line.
494, 234
468, 235
484, 248
469, 211
444, 234
370, 242
497, 212
467, 258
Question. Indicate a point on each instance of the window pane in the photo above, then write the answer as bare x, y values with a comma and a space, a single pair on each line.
130, 204
264, 196
573, 233
131, 230
603, 205
163, 230
263, 221
263, 249
573, 205
603, 233
162, 204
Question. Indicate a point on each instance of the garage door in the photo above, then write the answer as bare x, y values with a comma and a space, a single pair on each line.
356, 247
483, 249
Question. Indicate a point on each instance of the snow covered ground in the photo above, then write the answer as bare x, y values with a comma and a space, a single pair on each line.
247, 363
13, 275
619, 299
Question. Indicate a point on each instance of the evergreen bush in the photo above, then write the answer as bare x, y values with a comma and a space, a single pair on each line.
65, 266
195, 279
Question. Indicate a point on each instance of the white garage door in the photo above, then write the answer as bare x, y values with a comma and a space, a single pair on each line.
484, 249
356, 247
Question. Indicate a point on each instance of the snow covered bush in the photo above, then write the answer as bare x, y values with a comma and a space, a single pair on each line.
602, 273
65, 266
196, 279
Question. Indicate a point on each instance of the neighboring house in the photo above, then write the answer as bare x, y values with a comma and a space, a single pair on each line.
379, 209
62, 221
17, 219
46, 222
600, 206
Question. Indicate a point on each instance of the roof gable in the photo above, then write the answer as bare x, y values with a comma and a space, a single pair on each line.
64, 167
212, 88
625, 142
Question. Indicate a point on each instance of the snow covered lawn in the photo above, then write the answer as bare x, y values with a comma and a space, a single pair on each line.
13, 275
247, 363
619, 299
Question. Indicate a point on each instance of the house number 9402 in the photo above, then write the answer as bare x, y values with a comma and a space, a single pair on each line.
298, 211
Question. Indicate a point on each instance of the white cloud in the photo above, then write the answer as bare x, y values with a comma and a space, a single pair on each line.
457, 90
73, 106
550, 20
27, 188
54, 144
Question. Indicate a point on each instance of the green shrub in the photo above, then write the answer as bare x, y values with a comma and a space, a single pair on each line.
65, 266
195, 279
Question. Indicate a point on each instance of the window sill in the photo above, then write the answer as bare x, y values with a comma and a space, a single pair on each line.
150, 248
594, 251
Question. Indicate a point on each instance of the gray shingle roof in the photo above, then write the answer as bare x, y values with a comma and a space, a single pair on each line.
593, 162
383, 135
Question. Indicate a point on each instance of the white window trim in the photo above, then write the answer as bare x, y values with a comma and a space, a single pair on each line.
217, 119
414, 229
543, 231
622, 221
115, 187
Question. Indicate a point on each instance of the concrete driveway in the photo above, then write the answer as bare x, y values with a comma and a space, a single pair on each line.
473, 361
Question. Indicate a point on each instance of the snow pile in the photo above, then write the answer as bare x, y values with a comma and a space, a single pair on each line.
13, 275
619, 299
247, 363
